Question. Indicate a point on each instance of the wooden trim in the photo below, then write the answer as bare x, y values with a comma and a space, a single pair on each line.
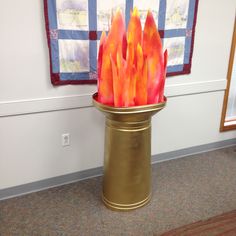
228, 128
229, 75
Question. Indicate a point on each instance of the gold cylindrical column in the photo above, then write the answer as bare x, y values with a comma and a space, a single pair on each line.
127, 164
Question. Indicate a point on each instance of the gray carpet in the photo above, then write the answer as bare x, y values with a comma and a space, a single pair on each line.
185, 190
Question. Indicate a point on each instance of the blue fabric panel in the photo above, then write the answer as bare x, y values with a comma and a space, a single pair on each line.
74, 76
187, 50
93, 55
191, 9
92, 7
128, 8
73, 34
175, 33
174, 68
55, 56
99, 33
52, 14
162, 15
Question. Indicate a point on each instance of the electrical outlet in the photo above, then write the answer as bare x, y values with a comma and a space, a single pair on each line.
65, 140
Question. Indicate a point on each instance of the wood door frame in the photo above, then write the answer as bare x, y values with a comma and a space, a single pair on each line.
224, 127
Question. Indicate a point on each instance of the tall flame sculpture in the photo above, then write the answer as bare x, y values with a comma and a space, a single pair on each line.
131, 66
131, 79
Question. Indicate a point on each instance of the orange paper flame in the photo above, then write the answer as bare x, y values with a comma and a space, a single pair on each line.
132, 66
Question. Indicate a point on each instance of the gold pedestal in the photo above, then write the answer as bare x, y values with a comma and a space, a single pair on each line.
127, 160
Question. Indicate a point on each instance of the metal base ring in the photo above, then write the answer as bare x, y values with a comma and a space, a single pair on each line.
125, 207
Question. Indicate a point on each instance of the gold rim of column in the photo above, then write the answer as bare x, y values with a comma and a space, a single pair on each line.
127, 110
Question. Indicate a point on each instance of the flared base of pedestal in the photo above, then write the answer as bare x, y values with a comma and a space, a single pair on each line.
125, 207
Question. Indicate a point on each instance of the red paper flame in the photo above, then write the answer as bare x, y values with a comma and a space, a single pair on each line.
132, 66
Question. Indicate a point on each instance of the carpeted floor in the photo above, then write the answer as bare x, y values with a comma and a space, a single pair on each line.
185, 191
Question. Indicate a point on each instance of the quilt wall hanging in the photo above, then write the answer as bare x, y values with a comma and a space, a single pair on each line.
74, 28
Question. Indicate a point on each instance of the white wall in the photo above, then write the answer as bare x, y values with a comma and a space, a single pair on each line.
231, 106
34, 114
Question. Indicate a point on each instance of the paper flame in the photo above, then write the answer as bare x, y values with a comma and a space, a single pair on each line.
132, 65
